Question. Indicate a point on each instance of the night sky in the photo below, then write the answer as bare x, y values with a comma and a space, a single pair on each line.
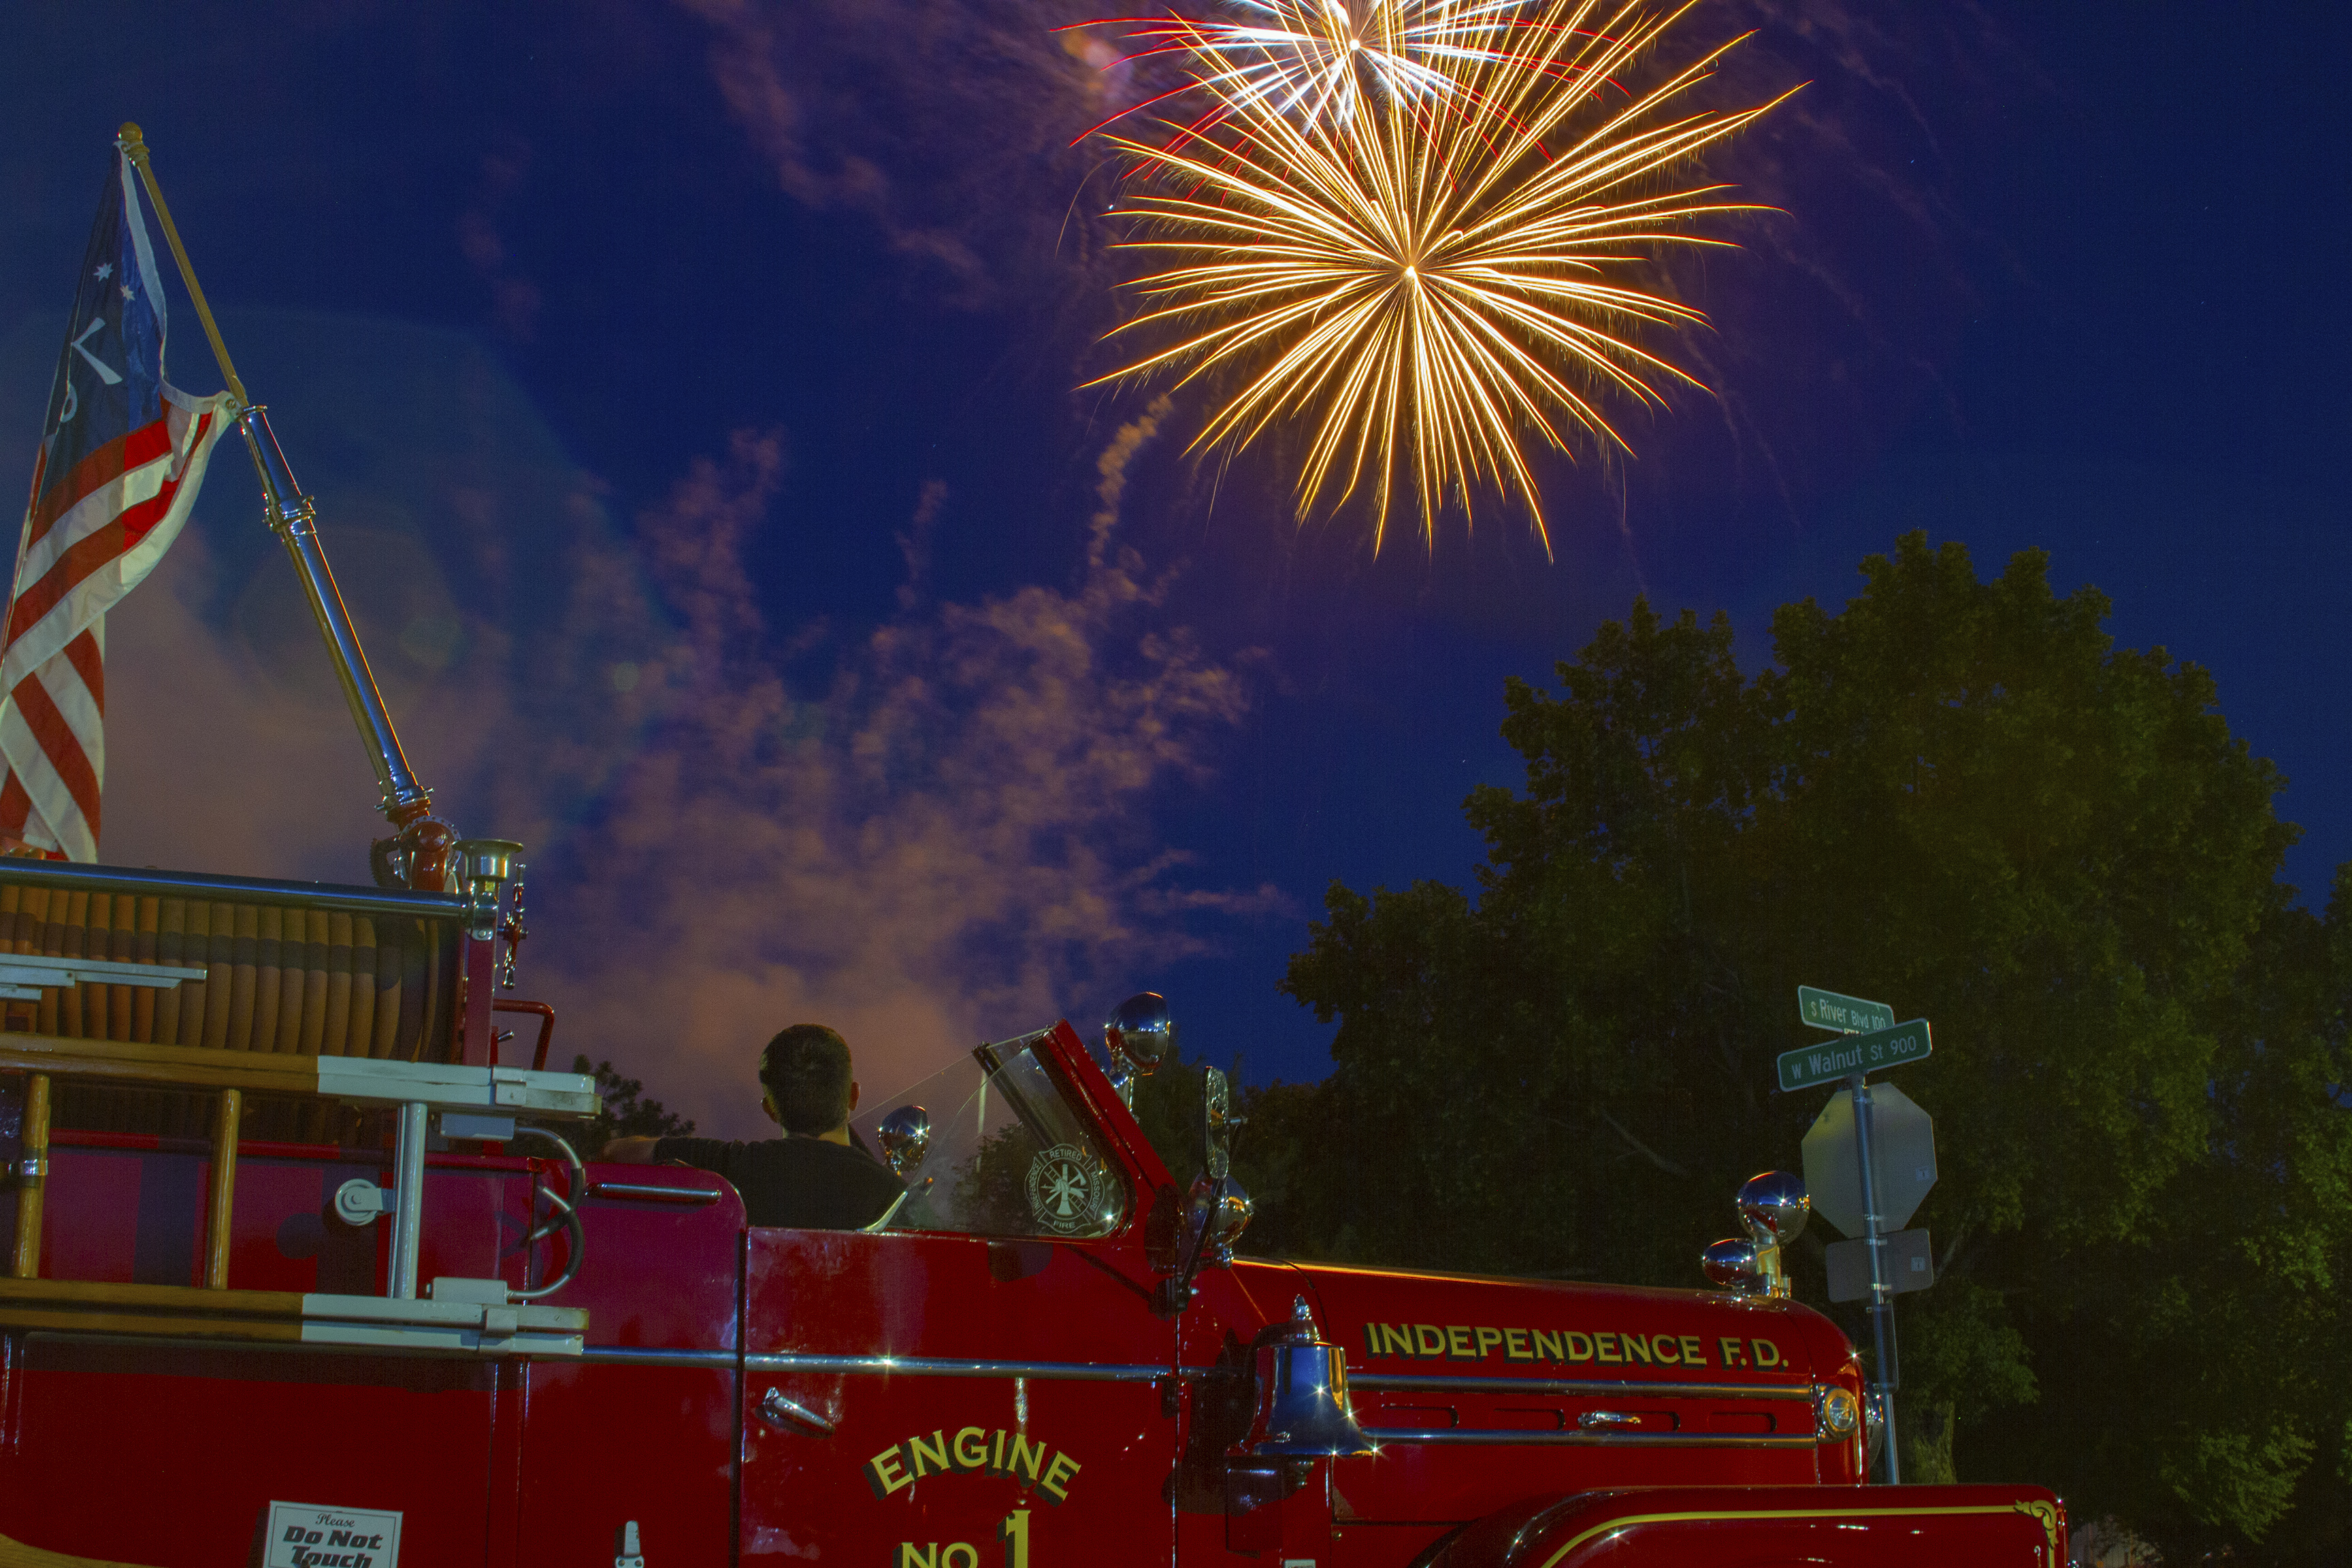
690, 393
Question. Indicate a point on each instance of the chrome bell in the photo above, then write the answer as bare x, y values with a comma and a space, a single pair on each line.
1138, 1036
1302, 1395
906, 1136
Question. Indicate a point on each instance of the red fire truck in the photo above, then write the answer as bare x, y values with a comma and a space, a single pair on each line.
305, 1272
302, 1272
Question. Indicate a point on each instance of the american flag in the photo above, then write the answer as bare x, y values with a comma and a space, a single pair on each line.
122, 454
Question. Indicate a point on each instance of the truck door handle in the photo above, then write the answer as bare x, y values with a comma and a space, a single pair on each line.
784, 1414
1605, 1420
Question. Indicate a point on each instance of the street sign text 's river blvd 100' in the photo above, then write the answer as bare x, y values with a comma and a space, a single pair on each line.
1847, 1015
1873, 1052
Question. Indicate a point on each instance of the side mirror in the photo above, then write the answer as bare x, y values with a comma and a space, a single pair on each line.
1217, 1122
1216, 1210
1138, 1036
906, 1136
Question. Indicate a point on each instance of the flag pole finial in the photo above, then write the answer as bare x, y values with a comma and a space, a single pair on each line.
133, 143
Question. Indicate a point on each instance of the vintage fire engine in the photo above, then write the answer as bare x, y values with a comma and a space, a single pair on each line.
303, 1273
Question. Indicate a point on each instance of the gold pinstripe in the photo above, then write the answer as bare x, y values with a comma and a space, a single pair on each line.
2037, 1511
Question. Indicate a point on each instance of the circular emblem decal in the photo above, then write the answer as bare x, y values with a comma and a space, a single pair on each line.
1062, 1189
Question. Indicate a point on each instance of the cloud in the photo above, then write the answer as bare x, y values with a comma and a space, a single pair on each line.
947, 126
515, 300
950, 840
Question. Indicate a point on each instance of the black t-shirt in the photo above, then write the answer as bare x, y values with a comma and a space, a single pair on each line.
802, 1181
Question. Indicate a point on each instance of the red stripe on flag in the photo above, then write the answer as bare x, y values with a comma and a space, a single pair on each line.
140, 520
57, 740
90, 665
101, 468
15, 807
40, 467
87, 555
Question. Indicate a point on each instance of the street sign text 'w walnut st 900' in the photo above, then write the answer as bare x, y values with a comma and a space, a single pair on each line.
1842, 1058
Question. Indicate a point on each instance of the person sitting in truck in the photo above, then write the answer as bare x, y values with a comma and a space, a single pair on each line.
815, 1176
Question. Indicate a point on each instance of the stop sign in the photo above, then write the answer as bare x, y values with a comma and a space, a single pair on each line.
1902, 1166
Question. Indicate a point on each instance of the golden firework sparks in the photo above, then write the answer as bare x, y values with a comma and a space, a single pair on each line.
1422, 285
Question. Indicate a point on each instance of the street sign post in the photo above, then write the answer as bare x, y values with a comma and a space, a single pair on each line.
1847, 1015
1873, 1052
1882, 1305
1872, 1042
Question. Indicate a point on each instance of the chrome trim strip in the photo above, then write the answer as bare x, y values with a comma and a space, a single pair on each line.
909, 1367
651, 1193
631, 1355
1387, 1437
941, 1366
1625, 1389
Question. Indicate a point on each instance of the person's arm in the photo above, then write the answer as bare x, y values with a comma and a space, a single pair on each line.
630, 1151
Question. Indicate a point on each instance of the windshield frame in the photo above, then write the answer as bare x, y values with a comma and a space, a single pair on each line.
1087, 1099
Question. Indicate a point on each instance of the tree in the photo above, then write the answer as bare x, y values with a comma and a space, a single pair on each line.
626, 1112
1961, 797
1270, 1147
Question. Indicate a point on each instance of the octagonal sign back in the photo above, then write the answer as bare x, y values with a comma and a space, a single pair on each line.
1903, 1139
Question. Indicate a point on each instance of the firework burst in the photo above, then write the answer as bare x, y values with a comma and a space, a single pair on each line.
1315, 60
1424, 285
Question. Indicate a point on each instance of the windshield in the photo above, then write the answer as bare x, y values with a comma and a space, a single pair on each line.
1008, 1154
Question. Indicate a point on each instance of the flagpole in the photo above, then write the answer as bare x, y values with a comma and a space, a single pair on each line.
132, 142
418, 856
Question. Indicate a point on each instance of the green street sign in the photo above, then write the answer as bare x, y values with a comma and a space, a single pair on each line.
1833, 1059
1847, 1015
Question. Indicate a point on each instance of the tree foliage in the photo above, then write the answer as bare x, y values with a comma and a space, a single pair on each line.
1960, 797
626, 1112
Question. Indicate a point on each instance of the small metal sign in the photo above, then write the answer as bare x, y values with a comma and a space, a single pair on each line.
1910, 1265
311, 1535
1902, 1164
1847, 1015
1833, 1059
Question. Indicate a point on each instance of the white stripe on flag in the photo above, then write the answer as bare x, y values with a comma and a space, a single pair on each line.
53, 803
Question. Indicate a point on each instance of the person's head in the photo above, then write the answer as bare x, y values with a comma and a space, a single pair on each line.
805, 1070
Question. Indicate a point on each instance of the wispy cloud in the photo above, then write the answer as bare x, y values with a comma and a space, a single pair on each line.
948, 844
946, 126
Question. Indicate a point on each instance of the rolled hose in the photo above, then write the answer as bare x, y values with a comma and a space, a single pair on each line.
564, 1217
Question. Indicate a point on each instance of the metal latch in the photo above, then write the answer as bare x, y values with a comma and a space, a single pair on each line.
783, 1413
628, 1553
1605, 1420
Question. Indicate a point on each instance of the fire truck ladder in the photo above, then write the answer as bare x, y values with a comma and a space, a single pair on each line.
460, 1316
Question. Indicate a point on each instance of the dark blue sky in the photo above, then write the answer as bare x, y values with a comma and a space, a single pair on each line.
2055, 277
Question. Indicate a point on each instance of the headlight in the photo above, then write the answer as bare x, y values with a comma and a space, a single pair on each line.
1838, 1412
